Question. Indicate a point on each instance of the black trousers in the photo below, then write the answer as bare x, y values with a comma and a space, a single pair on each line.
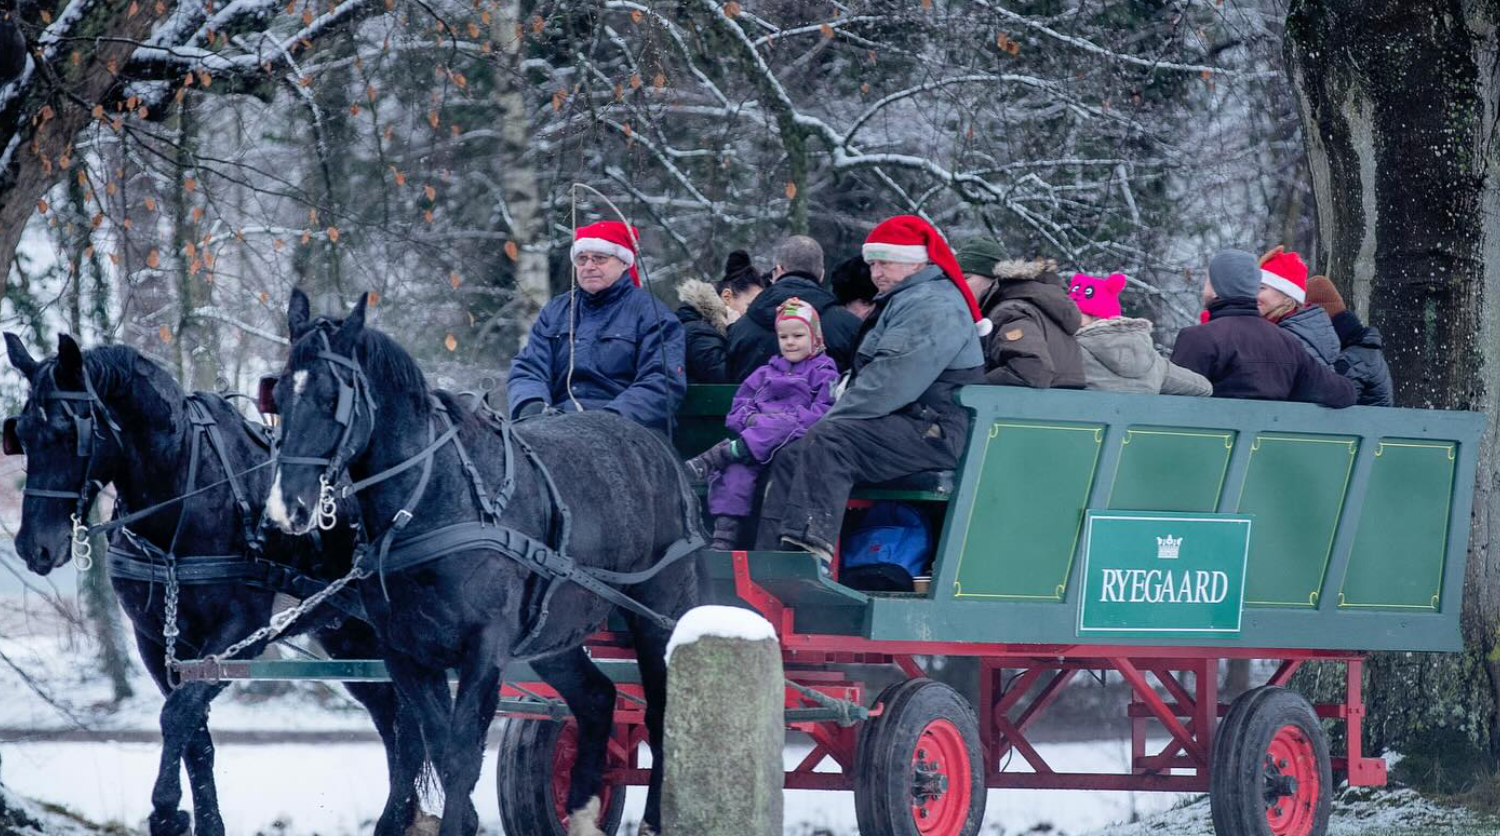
811, 478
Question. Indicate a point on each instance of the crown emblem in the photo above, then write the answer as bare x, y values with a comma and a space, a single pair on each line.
1168, 547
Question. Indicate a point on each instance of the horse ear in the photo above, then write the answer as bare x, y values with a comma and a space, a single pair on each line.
19, 356
298, 314
69, 360
354, 323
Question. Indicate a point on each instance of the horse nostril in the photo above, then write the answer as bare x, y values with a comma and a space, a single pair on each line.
45, 554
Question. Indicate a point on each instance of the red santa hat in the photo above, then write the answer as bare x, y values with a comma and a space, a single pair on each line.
910, 240
610, 238
1286, 272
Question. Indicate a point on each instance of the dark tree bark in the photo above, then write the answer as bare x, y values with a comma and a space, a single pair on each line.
1399, 102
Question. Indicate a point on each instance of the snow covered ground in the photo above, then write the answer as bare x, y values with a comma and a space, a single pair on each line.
338, 789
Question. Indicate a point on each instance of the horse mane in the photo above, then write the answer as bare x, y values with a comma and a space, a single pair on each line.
386, 363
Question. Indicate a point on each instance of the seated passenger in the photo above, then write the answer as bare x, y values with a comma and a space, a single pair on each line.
629, 347
1360, 358
708, 310
897, 415
1034, 321
798, 271
1282, 296
851, 285
773, 407
1245, 356
1118, 353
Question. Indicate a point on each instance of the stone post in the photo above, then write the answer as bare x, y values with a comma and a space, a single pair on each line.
724, 726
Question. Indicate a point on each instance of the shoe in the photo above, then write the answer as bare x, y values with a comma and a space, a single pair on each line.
698, 469
822, 553
727, 533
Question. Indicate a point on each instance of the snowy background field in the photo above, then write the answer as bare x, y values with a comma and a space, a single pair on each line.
302, 760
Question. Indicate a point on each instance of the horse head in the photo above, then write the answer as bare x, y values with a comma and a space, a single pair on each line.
72, 445
327, 413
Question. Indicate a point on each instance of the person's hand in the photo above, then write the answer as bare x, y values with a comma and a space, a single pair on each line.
530, 408
731, 316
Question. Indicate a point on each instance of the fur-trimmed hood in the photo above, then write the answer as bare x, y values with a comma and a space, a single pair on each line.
1026, 269
701, 297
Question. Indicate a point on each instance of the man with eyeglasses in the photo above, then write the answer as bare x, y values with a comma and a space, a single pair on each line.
606, 344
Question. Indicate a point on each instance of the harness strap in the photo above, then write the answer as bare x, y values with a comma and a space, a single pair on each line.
423, 458
531, 553
404, 515
121, 522
203, 419
211, 569
481, 493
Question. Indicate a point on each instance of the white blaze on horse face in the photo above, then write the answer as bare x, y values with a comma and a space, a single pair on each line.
276, 506
299, 382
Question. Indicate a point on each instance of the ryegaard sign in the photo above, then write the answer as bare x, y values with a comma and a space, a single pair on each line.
1155, 572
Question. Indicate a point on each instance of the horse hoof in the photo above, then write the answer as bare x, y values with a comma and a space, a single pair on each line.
175, 823
585, 820
423, 824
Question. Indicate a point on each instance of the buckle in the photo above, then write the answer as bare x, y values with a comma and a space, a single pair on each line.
401, 519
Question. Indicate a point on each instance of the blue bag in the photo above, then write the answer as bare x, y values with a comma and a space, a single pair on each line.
892, 533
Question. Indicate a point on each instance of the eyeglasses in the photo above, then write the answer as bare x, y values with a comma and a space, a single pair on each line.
595, 259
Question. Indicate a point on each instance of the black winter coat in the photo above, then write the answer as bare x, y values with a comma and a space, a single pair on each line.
752, 338
1244, 356
1363, 361
703, 317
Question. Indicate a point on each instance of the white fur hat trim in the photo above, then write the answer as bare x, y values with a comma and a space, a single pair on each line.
904, 253
599, 245
1284, 285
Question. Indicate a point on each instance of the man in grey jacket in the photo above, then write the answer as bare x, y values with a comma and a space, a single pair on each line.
896, 416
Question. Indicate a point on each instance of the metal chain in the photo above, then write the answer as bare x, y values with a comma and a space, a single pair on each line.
284, 619
169, 628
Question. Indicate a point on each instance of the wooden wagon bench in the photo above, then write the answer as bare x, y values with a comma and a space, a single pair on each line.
1151, 536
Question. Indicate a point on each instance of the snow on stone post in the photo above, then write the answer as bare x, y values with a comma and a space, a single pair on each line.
724, 729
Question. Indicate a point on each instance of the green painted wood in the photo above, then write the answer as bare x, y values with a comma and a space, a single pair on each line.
1402, 538
1171, 469
700, 419
1295, 487
1023, 527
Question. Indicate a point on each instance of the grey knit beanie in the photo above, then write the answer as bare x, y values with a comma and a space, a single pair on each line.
1234, 273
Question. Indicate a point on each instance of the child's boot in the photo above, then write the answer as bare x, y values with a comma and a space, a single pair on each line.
727, 530
714, 459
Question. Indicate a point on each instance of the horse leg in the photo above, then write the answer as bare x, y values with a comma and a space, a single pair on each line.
426, 705
473, 708
184, 717
404, 755
650, 641
185, 739
591, 697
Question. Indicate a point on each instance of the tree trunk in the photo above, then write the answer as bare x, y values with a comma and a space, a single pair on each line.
37, 134
518, 177
1399, 109
197, 336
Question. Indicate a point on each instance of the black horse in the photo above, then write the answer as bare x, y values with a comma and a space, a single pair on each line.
111, 416
594, 485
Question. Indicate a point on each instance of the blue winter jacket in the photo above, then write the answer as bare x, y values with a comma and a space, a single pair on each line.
620, 333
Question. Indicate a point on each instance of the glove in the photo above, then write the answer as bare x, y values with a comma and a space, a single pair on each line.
530, 408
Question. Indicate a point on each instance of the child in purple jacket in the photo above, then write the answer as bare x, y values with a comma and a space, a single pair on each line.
773, 407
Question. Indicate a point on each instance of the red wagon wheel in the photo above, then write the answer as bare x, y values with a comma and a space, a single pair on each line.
918, 768
1271, 774
538, 807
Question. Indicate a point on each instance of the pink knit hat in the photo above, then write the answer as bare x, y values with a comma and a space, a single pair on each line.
1099, 298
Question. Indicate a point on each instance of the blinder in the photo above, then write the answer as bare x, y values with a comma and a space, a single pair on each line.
265, 399
12, 438
345, 408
